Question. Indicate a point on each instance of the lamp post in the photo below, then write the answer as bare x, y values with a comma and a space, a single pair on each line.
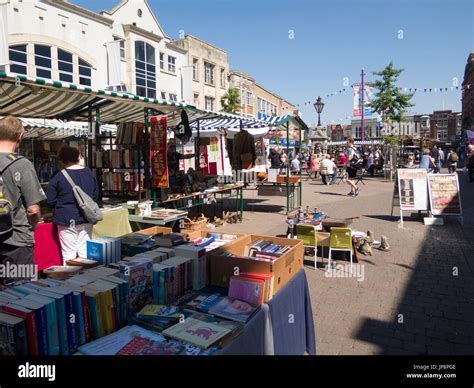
319, 106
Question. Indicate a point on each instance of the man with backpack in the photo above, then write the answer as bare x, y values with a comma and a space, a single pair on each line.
452, 159
354, 162
20, 195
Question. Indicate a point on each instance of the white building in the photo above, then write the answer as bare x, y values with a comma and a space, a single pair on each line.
374, 128
124, 48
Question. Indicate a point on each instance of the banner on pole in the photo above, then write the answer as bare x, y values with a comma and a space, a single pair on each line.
159, 162
368, 96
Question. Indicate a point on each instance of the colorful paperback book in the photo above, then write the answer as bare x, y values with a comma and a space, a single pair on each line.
157, 311
139, 274
229, 308
140, 346
248, 290
111, 344
195, 332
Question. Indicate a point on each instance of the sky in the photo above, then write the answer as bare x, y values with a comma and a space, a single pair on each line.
302, 49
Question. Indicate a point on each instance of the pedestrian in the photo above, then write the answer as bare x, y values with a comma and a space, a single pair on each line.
274, 158
435, 156
410, 160
295, 165
74, 229
315, 165
452, 161
328, 171
441, 158
370, 163
427, 161
354, 162
20, 196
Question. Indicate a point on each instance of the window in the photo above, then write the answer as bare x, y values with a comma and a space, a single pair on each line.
196, 99
85, 73
209, 103
18, 59
171, 64
208, 73
195, 69
163, 96
445, 122
122, 47
357, 133
442, 134
43, 61
162, 61
424, 123
173, 97
145, 69
223, 78
65, 66
249, 98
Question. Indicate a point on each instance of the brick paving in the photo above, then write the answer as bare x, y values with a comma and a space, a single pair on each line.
416, 299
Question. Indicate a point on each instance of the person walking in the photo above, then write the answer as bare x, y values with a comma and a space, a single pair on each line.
274, 157
354, 162
441, 158
73, 228
284, 160
295, 165
435, 156
427, 161
20, 196
452, 161
315, 165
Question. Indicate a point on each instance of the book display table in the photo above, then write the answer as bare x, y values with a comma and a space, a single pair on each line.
283, 326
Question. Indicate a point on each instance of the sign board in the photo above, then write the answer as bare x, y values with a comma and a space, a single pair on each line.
159, 162
412, 189
445, 198
368, 96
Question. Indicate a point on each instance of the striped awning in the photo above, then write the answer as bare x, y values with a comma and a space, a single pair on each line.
28, 97
228, 123
356, 142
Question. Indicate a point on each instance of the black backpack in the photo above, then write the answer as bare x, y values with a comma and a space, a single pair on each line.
356, 160
6, 207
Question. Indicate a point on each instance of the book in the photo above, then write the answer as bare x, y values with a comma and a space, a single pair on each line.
269, 282
154, 311
139, 275
111, 344
248, 290
196, 332
140, 346
30, 323
229, 308
13, 341
169, 240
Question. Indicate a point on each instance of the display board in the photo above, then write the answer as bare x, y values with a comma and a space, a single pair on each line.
444, 194
412, 189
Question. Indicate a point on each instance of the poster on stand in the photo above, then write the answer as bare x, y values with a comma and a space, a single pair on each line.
444, 195
159, 163
412, 186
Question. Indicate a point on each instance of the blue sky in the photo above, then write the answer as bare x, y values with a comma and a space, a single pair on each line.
331, 40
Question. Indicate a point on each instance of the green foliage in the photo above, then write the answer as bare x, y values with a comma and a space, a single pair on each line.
231, 101
389, 101
391, 139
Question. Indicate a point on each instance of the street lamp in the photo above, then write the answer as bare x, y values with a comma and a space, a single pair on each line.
319, 106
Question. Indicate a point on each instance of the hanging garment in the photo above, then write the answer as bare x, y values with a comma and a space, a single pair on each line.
243, 153
183, 130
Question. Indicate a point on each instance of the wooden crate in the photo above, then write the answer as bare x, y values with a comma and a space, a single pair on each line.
283, 269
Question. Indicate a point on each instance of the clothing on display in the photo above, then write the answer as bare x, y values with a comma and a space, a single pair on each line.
243, 153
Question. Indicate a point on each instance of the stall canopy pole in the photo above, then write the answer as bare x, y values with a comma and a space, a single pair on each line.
91, 137
196, 147
287, 168
300, 185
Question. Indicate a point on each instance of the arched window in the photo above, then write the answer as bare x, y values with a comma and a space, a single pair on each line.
85, 73
18, 59
43, 61
65, 66
145, 69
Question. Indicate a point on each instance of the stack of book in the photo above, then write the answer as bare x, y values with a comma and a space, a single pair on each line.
105, 250
267, 250
129, 133
117, 181
227, 307
126, 159
253, 288
60, 315
159, 317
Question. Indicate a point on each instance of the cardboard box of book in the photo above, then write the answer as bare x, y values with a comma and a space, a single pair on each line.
224, 264
213, 247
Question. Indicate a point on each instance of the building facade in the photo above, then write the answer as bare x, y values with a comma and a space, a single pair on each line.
210, 70
445, 126
123, 49
372, 125
468, 95
422, 126
245, 85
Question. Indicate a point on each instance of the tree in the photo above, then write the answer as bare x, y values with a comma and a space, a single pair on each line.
231, 101
389, 101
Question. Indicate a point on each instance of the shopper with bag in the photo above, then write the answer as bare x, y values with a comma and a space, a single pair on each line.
452, 159
354, 162
72, 194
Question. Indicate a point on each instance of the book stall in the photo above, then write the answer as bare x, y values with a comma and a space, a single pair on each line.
155, 292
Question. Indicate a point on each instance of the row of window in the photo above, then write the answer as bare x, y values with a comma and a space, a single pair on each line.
266, 107
209, 70
43, 63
